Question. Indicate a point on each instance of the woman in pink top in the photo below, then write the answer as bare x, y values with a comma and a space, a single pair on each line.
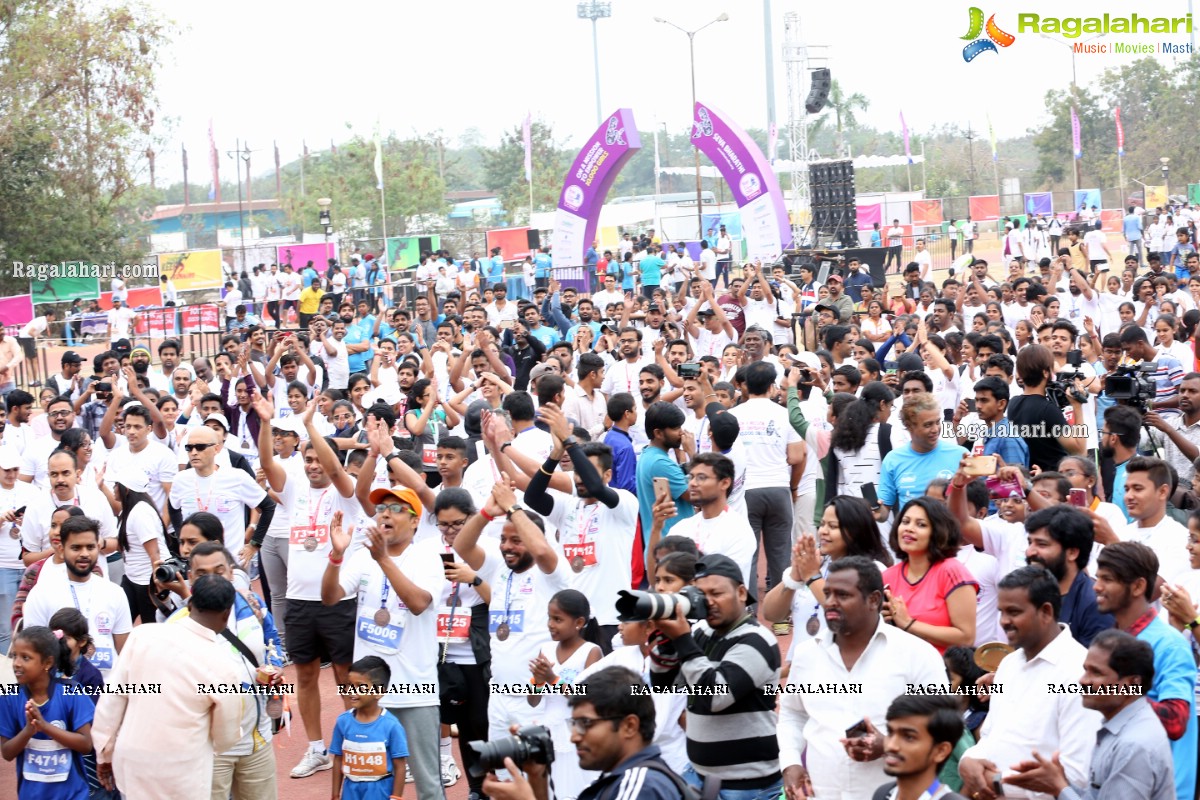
929, 592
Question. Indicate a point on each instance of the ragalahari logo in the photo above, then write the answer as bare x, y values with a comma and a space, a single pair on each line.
995, 36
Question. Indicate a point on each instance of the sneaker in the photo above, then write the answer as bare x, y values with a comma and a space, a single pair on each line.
311, 763
781, 628
450, 771
408, 776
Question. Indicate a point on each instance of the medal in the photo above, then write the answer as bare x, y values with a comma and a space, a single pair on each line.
14, 533
812, 626
274, 707
245, 443
577, 563
310, 544
382, 617
502, 632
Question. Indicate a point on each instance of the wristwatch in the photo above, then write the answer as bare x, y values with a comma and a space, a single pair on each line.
570, 441
514, 509
476, 582
1194, 624
505, 445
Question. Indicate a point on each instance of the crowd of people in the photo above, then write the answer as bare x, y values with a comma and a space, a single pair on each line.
969, 511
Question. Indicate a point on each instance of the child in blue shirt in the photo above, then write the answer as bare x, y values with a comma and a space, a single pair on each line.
369, 748
43, 725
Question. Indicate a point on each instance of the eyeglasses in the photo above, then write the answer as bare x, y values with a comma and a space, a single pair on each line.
58, 414
395, 508
582, 725
451, 526
200, 448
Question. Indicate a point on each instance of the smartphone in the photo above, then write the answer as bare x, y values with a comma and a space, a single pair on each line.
857, 730
689, 369
948, 414
19, 511
447, 559
980, 466
662, 488
970, 401
997, 787
1078, 498
868, 493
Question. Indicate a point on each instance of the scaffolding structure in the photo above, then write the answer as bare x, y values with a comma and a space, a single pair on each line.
800, 59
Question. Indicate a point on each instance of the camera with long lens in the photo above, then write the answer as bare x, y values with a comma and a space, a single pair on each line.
171, 570
1062, 389
643, 606
1133, 385
530, 744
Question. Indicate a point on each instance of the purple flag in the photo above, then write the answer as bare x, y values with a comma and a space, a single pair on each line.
1077, 147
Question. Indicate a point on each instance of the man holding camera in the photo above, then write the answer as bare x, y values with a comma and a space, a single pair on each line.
730, 731
611, 728
1178, 437
1037, 419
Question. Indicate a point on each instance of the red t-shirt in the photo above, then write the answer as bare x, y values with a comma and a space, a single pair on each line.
926, 599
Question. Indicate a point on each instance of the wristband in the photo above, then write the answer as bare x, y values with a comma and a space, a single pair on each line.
813, 579
337, 562
791, 582
911, 622
486, 515
1194, 624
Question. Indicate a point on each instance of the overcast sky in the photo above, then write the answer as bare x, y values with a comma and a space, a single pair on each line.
269, 71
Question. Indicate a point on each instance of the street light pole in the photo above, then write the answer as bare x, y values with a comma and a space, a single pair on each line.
594, 10
1074, 86
695, 152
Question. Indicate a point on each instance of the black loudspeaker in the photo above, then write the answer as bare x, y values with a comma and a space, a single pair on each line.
818, 95
534, 239
425, 244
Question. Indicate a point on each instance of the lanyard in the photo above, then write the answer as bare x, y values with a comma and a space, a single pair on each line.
383, 598
450, 624
211, 489
586, 522
508, 595
75, 600
312, 523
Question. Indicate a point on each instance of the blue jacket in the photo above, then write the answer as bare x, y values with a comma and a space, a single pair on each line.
632, 779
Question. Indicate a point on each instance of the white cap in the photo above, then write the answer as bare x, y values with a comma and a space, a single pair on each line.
131, 478
808, 360
218, 417
291, 423
9, 457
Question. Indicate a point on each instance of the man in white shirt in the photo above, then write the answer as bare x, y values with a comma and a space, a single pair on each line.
770, 442
68, 381
60, 418
120, 290
895, 237
65, 490
258, 289
1147, 489
585, 404
859, 650
610, 294
334, 352
1029, 714
716, 529
290, 286
924, 260
136, 452
715, 331
501, 313
708, 264
274, 293
623, 375
120, 321
232, 299
15, 495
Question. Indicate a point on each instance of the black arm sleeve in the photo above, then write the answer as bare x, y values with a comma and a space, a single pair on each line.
592, 480
536, 496
266, 513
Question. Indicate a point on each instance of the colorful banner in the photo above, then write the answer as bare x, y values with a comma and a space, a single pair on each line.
1076, 147
592, 173
1087, 198
63, 289
298, 255
868, 215
1039, 203
984, 208
1112, 220
1120, 133
199, 269
404, 252
513, 244
201, 319
751, 181
144, 297
159, 323
732, 221
904, 131
1156, 196
926, 213
1193, 194
16, 310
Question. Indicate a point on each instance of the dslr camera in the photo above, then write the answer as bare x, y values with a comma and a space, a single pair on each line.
171, 570
642, 606
1133, 385
1062, 389
530, 744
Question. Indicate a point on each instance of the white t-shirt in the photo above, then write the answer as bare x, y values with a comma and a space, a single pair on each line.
20, 496
408, 643
986, 571
119, 290
35, 533
761, 313
102, 602
1005, 541
1096, 242
1168, 540
766, 434
709, 343
155, 461
623, 376
290, 286
310, 512
233, 299
227, 493
1075, 307
121, 321
35, 458
142, 526
34, 327
338, 365
599, 540
926, 262
271, 285
708, 265
338, 283
727, 534
895, 236
520, 600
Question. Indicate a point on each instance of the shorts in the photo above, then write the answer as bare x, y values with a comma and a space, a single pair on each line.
315, 629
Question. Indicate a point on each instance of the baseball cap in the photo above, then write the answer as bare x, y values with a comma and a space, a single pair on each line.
706, 312
723, 426
71, 357
289, 424
653, 307
9, 457
808, 360
220, 419
131, 478
725, 567
401, 493
539, 371
834, 279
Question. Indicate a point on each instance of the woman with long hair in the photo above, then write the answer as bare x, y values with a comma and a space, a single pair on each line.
1024, 333
428, 423
929, 593
861, 439
141, 537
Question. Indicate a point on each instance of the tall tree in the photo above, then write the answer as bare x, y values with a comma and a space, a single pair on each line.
504, 170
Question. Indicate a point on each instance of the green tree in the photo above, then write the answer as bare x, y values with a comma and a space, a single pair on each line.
844, 106
504, 170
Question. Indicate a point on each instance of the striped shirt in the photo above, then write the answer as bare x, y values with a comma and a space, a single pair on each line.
731, 734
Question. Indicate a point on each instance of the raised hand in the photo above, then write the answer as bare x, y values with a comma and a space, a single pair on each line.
339, 538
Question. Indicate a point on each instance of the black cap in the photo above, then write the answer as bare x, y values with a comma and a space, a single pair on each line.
653, 307
71, 357
723, 426
724, 566
706, 312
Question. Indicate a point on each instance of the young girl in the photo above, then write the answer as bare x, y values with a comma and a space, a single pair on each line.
674, 571
560, 662
49, 729
73, 626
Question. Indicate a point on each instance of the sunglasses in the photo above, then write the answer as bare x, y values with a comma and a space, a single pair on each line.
200, 448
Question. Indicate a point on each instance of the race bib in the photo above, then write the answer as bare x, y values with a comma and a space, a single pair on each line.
364, 761
308, 537
514, 619
584, 550
456, 631
385, 638
429, 455
103, 658
46, 761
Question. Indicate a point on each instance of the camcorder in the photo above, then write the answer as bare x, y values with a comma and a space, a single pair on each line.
642, 606
530, 744
1062, 389
1133, 385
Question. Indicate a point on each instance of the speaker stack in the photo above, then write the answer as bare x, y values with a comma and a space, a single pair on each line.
818, 93
834, 214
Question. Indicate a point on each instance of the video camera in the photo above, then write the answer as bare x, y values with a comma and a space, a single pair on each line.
1133, 385
642, 606
1057, 390
532, 743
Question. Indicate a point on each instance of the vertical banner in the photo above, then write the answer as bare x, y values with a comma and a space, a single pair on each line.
1120, 133
992, 137
772, 142
868, 215
751, 180
592, 173
1076, 147
1039, 203
1156, 196
926, 213
984, 208
1087, 198
1193, 193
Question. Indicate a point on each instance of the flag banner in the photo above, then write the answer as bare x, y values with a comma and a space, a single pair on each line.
527, 138
145, 297
64, 289
1156, 196
926, 213
1087, 198
992, 137
1120, 133
1193, 193
1112, 220
1076, 147
200, 319
1039, 203
868, 215
16, 310
404, 252
984, 208
904, 130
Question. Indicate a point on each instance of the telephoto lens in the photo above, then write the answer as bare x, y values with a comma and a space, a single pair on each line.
530, 744
642, 606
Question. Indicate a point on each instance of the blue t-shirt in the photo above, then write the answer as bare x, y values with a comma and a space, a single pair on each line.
385, 735
356, 334
546, 335
627, 275
1118, 497
541, 265
1175, 679
47, 770
496, 270
1132, 226
595, 326
906, 474
652, 270
656, 463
